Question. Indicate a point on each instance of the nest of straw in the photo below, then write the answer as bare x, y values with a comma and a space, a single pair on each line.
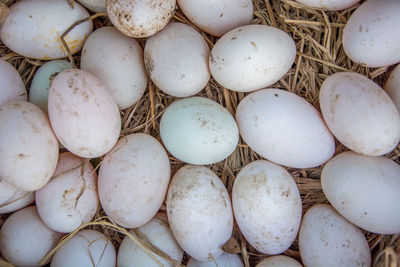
318, 37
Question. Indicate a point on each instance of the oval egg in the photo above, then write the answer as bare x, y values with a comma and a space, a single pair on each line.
279, 261
225, 260
392, 86
94, 5
359, 113
12, 199
331, 5
33, 28
199, 212
12, 88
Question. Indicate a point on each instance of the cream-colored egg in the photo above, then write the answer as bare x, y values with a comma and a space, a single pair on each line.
392, 86
33, 28
133, 180
284, 128
251, 57
160, 236
83, 114
176, 59
28, 147
86, 248
70, 198
199, 212
94, 5
267, 206
331, 5
25, 239
326, 239
12, 198
359, 113
365, 190
12, 87
198, 131
217, 17
140, 18
370, 35
279, 261
225, 260
118, 64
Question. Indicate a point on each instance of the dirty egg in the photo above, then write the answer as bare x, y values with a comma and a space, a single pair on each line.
279, 261
225, 260
331, 5
12, 88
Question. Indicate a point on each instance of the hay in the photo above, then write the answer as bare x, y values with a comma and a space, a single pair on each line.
317, 34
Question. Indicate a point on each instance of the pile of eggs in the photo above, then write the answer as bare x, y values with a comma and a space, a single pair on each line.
78, 110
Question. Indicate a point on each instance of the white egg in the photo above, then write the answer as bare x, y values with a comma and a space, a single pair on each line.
218, 16
225, 260
198, 131
118, 64
251, 57
33, 28
160, 236
370, 35
326, 239
331, 5
86, 248
12, 87
199, 212
28, 147
39, 90
70, 198
12, 198
176, 59
279, 261
359, 113
25, 239
392, 86
267, 206
94, 5
364, 190
284, 128
133, 180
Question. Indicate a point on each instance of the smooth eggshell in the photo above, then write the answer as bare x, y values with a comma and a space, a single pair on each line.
12, 199
176, 59
217, 17
25, 239
118, 64
392, 86
370, 35
70, 198
284, 128
83, 114
251, 57
140, 18
279, 261
133, 180
160, 236
267, 206
12, 87
44, 76
225, 260
94, 5
364, 190
359, 113
326, 239
86, 248
33, 28
199, 212
28, 147
331, 5
198, 131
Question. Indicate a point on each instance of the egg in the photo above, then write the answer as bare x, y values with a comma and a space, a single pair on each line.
176, 59
158, 234
12, 199
118, 64
133, 180
364, 190
326, 239
44, 76
83, 114
25, 239
28, 147
370, 35
12, 88
138, 18
359, 113
284, 128
267, 206
94, 5
251, 57
70, 198
279, 261
331, 5
392, 86
197, 130
33, 28
225, 260
199, 212
86, 248
218, 17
